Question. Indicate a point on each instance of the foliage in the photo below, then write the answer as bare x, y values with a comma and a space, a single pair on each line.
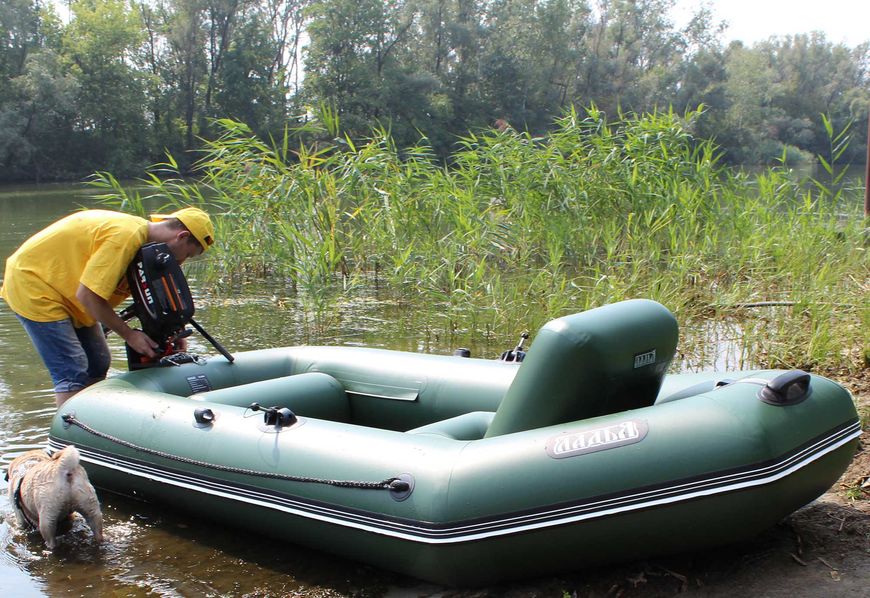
123, 81
521, 229
776, 90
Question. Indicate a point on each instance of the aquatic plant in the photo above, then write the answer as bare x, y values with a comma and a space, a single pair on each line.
519, 229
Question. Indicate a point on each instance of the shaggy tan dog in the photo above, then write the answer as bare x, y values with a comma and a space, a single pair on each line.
46, 490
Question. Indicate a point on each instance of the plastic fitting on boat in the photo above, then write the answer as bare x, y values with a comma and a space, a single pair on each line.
279, 417
203, 416
401, 487
789, 388
518, 353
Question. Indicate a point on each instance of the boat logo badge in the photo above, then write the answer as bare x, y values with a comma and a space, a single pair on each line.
572, 444
646, 358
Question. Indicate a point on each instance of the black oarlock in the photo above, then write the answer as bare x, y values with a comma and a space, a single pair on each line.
280, 417
518, 353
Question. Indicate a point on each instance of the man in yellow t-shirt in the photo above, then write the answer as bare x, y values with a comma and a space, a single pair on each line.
68, 278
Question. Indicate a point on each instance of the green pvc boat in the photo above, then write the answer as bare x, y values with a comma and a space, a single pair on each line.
467, 471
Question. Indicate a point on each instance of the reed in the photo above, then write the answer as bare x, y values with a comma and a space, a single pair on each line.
519, 229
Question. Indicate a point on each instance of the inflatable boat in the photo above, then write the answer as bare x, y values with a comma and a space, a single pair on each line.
465, 471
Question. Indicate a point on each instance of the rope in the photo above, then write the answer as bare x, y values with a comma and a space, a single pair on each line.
392, 484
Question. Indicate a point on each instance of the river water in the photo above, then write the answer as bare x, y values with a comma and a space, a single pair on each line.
148, 550
153, 550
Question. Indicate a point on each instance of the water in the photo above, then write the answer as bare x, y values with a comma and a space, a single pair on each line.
154, 551
149, 550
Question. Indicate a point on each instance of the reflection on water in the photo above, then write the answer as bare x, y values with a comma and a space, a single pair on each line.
716, 345
148, 550
153, 551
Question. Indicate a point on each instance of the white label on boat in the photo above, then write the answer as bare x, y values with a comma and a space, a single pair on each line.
198, 384
642, 359
593, 440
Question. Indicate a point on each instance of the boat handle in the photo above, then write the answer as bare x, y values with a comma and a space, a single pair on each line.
789, 388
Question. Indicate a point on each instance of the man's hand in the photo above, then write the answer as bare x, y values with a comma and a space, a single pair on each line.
181, 343
102, 312
141, 342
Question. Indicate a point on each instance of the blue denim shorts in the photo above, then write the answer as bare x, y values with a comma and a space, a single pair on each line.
75, 357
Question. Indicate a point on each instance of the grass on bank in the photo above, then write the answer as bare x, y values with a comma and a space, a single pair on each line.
517, 230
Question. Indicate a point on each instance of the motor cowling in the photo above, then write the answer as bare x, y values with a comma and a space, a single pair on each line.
161, 300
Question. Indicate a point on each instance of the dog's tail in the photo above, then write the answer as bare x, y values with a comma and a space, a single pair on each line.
68, 460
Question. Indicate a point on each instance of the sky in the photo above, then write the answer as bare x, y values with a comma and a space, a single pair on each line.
846, 21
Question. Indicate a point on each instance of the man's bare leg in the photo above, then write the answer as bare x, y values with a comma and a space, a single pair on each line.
61, 397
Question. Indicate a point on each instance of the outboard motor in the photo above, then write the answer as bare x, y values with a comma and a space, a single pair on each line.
163, 304
161, 300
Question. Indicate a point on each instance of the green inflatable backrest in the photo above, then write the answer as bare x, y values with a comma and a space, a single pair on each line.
604, 360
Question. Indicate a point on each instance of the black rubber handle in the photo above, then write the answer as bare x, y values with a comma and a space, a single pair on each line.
789, 388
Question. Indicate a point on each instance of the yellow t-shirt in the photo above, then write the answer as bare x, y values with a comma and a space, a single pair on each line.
92, 247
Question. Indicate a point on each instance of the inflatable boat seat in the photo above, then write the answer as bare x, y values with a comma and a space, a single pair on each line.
600, 361
312, 394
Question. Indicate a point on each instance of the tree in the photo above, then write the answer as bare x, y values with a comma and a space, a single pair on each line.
119, 84
635, 56
286, 20
352, 54
19, 35
777, 90
36, 120
245, 88
187, 67
110, 122
529, 55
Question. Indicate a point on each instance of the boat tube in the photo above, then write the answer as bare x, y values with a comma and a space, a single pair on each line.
466, 471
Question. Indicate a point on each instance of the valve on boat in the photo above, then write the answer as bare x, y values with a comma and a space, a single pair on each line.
203, 416
518, 353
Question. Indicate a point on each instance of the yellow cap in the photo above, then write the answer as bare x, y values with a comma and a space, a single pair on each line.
196, 221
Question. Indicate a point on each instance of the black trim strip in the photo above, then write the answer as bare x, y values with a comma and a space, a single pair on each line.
495, 525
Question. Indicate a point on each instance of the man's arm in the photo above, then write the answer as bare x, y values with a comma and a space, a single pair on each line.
101, 311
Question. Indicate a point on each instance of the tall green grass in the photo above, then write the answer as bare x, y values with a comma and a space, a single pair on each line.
519, 229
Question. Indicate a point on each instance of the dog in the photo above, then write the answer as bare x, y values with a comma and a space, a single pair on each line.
46, 490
